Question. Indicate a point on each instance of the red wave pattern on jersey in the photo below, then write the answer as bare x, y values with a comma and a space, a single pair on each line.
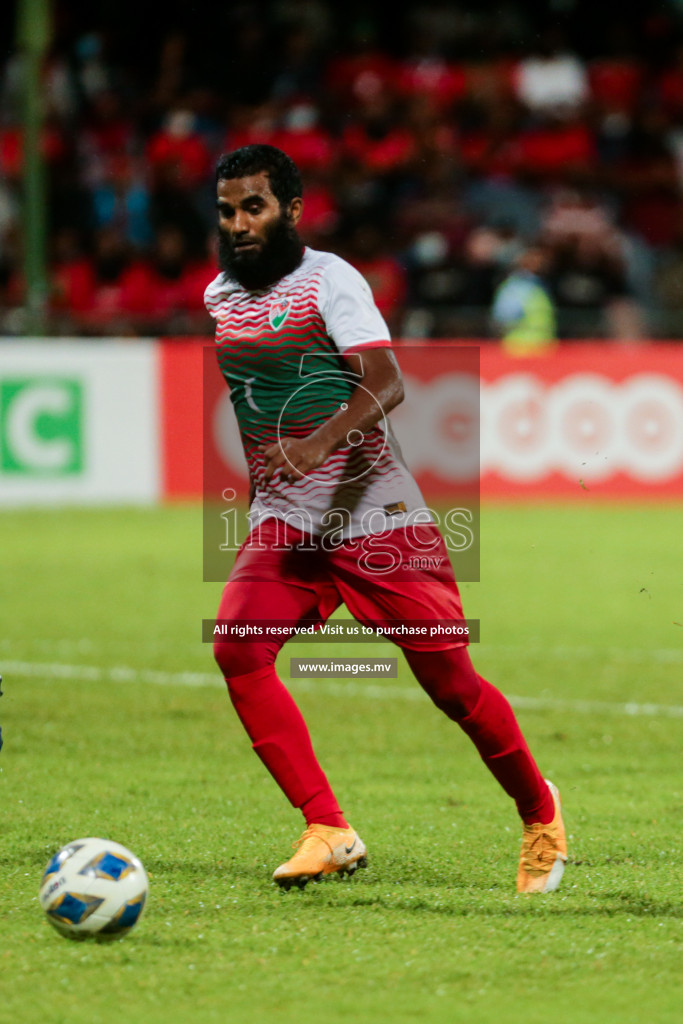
287, 376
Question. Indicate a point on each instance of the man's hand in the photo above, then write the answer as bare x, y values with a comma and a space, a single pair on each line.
381, 391
294, 457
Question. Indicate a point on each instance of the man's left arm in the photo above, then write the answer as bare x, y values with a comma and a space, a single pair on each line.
381, 391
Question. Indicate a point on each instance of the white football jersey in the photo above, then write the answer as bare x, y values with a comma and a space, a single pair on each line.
281, 352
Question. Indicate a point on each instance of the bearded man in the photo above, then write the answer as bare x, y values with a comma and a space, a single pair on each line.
336, 515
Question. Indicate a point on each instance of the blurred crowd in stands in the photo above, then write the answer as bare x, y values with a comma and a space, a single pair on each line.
433, 154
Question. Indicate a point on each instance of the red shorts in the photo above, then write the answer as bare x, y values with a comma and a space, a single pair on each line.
403, 575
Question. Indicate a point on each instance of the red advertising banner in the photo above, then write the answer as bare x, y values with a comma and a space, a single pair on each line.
588, 419
599, 418
180, 414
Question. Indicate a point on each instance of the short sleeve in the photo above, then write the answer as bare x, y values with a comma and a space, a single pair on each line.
346, 305
213, 296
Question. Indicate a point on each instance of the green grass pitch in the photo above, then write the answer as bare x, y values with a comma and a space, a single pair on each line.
116, 724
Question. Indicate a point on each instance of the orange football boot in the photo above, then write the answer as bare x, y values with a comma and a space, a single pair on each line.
322, 850
544, 852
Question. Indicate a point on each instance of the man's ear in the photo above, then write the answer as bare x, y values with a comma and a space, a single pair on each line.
296, 208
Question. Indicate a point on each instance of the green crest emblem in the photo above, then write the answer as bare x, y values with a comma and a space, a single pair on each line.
279, 312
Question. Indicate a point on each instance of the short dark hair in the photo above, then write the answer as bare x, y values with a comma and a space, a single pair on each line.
285, 180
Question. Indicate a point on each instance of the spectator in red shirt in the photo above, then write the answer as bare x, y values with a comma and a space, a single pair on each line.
361, 75
180, 148
303, 139
368, 252
107, 310
108, 134
321, 211
426, 73
72, 276
162, 294
670, 84
557, 148
378, 140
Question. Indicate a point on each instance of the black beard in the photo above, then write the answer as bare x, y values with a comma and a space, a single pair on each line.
281, 254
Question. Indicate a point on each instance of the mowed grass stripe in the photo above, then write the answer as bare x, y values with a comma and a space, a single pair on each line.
326, 687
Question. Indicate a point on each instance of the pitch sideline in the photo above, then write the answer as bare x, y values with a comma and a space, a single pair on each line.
126, 674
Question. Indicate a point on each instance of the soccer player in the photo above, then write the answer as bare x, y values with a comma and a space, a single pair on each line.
309, 364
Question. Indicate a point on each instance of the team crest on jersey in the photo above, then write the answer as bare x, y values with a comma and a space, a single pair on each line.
279, 312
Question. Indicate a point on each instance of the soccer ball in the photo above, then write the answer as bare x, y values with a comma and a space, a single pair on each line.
93, 888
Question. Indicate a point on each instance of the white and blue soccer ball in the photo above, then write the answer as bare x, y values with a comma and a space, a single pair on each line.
94, 888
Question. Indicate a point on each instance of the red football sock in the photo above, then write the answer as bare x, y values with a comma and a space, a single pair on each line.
485, 715
281, 739
493, 729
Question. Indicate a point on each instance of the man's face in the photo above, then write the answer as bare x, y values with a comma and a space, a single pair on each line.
257, 237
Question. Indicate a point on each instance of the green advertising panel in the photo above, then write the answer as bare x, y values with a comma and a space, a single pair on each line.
41, 426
